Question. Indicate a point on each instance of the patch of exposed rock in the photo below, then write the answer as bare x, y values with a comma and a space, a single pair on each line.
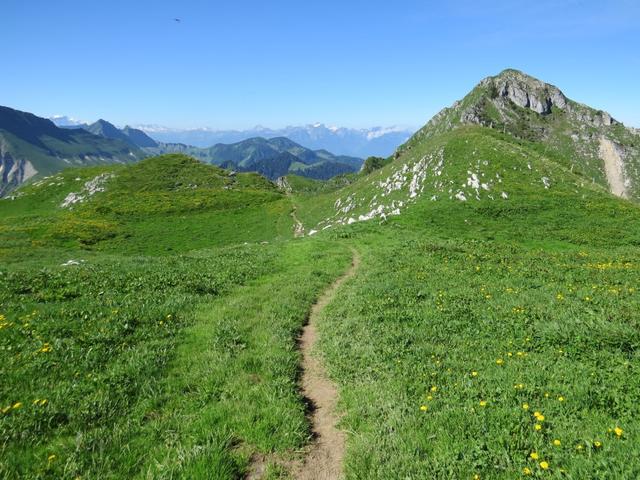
13, 171
89, 189
526, 91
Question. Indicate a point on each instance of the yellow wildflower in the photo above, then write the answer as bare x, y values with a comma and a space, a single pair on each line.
424, 408
534, 455
474, 374
561, 398
557, 442
537, 427
17, 405
525, 406
544, 465
483, 403
597, 444
499, 361
434, 389
526, 471
618, 431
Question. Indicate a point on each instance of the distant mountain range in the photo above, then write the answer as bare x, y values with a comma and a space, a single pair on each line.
272, 157
30, 145
365, 142
377, 141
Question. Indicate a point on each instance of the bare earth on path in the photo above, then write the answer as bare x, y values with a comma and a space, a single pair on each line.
323, 458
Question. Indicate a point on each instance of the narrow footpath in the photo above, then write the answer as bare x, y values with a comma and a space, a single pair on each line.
324, 457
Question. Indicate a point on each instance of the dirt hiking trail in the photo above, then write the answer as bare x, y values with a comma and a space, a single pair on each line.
324, 458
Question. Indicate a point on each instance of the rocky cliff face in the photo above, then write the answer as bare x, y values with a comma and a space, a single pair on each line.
532, 110
526, 91
513, 88
13, 172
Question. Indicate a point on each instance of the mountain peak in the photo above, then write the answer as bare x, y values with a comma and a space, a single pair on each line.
525, 91
502, 101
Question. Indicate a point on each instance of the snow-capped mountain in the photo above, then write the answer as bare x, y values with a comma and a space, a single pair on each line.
65, 121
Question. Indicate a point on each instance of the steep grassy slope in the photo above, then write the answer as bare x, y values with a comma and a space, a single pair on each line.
468, 164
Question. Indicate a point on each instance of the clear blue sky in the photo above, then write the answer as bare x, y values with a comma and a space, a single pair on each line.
234, 64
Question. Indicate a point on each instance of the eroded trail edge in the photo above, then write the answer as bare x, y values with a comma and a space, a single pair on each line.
324, 457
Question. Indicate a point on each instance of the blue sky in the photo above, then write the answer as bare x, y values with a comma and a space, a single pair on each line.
348, 63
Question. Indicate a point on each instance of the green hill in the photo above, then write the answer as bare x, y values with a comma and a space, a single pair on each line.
122, 207
490, 329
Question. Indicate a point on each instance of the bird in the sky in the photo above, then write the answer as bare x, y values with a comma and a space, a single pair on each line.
177, 20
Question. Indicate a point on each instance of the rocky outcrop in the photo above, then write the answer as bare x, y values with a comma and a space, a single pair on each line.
90, 188
612, 156
283, 184
595, 118
13, 172
526, 91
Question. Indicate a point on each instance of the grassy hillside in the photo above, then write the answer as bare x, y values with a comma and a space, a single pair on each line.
470, 315
468, 165
157, 205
